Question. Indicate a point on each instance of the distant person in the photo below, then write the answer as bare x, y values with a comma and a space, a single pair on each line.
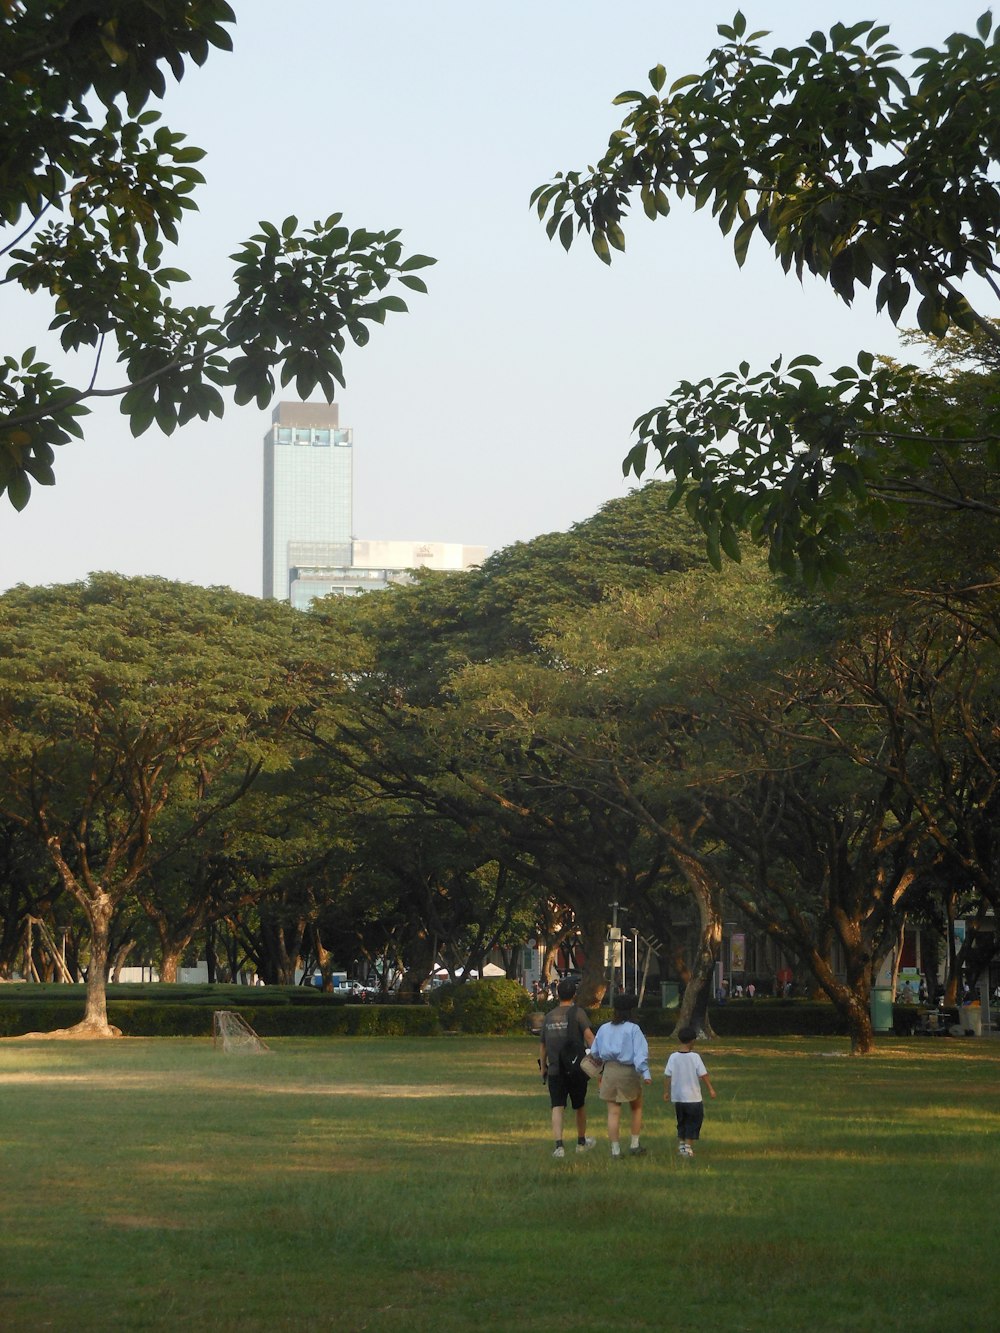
566, 1022
682, 1079
625, 1052
751, 991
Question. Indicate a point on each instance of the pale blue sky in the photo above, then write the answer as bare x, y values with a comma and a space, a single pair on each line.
502, 405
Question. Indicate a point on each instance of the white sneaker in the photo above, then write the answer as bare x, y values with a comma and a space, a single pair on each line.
586, 1145
559, 1152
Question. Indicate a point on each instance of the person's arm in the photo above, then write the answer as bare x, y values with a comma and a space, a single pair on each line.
666, 1087
586, 1029
542, 1059
641, 1059
708, 1083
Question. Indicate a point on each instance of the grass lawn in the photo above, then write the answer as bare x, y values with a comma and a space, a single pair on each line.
372, 1184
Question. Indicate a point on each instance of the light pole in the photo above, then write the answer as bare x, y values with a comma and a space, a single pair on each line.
614, 941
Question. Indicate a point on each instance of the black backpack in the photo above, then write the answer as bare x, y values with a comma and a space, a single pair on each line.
572, 1050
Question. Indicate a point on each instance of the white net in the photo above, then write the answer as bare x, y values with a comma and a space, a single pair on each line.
234, 1034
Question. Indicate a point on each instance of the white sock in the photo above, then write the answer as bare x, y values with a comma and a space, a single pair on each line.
635, 1141
616, 1150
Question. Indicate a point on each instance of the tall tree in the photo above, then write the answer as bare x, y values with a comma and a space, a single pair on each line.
92, 193
117, 697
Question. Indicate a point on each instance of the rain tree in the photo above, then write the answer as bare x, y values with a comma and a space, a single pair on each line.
848, 163
133, 714
93, 189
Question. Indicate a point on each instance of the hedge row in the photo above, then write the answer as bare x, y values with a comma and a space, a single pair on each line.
207, 996
483, 1007
143, 1018
775, 1018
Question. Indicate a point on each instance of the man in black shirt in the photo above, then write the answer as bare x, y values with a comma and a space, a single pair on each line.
567, 1022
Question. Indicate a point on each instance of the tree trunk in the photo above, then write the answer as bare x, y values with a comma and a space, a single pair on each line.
100, 910
325, 960
698, 991
593, 975
859, 1024
169, 960
121, 953
211, 961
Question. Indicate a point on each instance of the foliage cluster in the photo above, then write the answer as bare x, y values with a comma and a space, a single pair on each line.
592, 721
495, 1005
93, 192
848, 162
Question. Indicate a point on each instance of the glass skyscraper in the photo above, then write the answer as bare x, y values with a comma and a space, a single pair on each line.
308, 490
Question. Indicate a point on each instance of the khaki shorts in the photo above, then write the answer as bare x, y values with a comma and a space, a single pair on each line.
620, 1083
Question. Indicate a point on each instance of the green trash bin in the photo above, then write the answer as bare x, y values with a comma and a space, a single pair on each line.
881, 1008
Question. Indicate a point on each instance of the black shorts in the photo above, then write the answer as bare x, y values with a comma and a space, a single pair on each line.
567, 1086
690, 1118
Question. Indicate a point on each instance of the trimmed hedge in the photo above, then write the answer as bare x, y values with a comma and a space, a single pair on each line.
761, 1018
777, 1018
145, 1018
488, 1007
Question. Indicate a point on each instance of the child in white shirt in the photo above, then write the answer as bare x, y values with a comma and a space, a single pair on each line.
682, 1080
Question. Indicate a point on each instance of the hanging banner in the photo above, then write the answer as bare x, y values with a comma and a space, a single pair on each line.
737, 952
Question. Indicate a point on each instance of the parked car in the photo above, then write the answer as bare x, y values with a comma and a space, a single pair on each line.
354, 991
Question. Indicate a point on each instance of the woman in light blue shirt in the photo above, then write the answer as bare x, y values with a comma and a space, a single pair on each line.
625, 1052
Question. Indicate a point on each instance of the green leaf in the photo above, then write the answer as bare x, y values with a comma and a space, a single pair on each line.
741, 241
730, 543
899, 295
19, 490
566, 229
657, 77
712, 549
983, 24
600, 244
416, 261
932, 317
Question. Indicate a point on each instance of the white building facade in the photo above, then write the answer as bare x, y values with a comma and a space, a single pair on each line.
309, 547
308, 489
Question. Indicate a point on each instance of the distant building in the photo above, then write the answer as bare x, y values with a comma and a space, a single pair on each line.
316, 572
308, 489
309, 550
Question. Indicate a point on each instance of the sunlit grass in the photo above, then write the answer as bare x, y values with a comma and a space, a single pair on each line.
355, 1184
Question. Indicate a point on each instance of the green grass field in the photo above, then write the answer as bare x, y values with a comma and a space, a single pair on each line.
352, 1184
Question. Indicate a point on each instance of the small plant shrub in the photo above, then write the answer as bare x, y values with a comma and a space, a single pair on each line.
496, 1006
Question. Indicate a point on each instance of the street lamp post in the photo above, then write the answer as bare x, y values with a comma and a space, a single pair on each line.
614, 941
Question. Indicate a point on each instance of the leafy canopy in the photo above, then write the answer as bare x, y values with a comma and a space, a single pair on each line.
849, 168
93, 187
